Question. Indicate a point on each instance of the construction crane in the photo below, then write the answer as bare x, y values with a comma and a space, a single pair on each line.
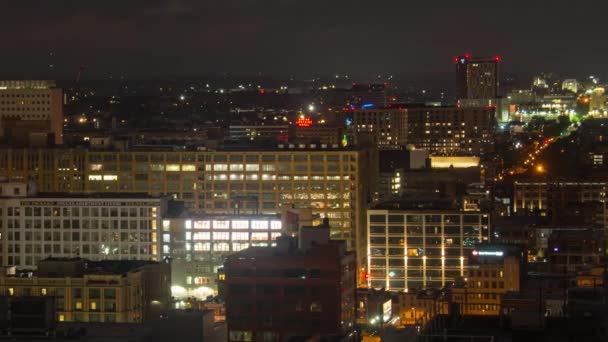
81, 69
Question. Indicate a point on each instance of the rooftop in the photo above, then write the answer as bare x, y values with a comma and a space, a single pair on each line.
94, 195
417, 204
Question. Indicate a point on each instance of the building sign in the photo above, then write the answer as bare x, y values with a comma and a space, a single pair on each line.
87, 204
488, 253
304, 122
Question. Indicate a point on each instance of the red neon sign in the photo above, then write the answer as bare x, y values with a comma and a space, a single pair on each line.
304, 122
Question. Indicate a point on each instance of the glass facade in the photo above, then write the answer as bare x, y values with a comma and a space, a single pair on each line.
420, 249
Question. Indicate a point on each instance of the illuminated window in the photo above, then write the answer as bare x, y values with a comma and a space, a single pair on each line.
95, 177
412, 252
236, 167
259, 224
166, 238
189, 280
110, 177
221, 236
202, 246
239, 246
204, 236
166, 249
220, 167
316, 306
275, 225
252, 167
96, 167
240, 236
78, 305
43, 292
259, 236
11, 291
240, 224
172, 167
274, 236
220, 224
221, 247
166, 225
266, 177
202, 224
61, 318
188, 167
93, 306
188, 224
236, 176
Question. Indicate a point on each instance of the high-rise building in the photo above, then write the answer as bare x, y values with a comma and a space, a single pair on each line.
408, 247
387, 127
295, 290
476, 77
31, 113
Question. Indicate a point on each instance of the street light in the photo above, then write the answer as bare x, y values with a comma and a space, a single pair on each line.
540, 168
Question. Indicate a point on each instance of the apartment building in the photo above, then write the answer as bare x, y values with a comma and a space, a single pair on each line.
387, 127
451, 130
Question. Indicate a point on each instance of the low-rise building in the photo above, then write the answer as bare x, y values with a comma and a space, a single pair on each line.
418, 307
300, 288
96, 291
493, 271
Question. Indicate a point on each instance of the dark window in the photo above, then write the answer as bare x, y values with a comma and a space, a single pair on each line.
295, 273
294, 290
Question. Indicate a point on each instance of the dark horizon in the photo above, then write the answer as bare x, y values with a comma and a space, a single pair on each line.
180, 38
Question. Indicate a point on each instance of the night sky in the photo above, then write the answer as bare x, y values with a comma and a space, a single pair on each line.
157, 38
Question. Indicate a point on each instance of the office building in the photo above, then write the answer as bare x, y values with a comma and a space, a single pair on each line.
96, 291
31, 113
198, 247
476, 77
96, 227
494, 270
387, 126
409, 247
451, 130
297, 289
334, 182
